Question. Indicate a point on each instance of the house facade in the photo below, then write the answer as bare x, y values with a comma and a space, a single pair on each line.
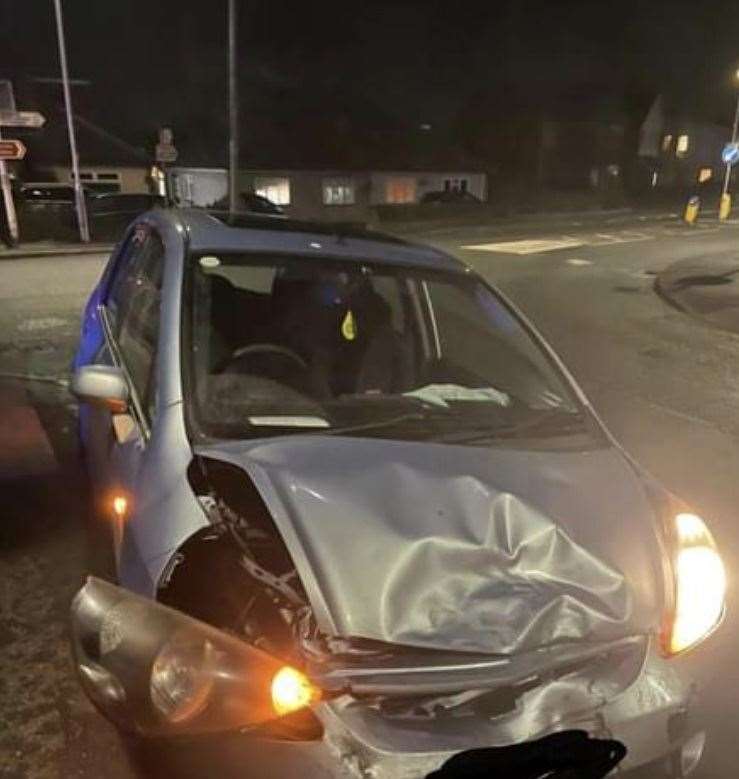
336, 195
678, 150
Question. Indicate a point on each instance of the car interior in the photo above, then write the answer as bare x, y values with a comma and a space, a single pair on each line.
323, 337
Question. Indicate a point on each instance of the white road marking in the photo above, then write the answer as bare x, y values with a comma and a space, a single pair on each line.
44, 323
526, 246
578, 261
621, 237
540, 245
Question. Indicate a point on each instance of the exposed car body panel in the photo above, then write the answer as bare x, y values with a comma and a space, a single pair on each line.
463, 548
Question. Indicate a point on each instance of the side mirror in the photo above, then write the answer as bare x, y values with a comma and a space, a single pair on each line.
101, 385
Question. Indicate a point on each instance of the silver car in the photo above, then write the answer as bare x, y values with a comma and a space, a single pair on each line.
362, 517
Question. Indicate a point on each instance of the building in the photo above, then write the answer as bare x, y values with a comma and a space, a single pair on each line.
329, 193
678, 150
107, 162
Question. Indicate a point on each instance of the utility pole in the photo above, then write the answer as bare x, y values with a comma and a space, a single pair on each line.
233, 110
79, 196
13, 232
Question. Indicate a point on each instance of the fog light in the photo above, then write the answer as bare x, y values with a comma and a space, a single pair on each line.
292, 690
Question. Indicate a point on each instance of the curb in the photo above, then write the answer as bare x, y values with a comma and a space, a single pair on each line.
688, 300
74, 249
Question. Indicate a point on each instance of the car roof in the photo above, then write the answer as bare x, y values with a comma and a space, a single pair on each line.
213, 232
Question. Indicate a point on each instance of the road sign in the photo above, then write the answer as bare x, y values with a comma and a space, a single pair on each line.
21, 119
730, 153
166, 153
12, 150
165, 149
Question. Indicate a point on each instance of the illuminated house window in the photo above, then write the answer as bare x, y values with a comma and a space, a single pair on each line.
400, 190
682, 146
338, 192
275, 189
705, 174
666, 143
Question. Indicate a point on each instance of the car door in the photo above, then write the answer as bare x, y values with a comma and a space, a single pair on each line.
131, 321
109, 298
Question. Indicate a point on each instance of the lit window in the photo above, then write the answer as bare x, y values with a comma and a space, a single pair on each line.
338, 192
275, 189
682, 146
667, 143
705, 174
400, 190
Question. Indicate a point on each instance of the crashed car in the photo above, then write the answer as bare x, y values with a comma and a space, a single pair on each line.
358, 507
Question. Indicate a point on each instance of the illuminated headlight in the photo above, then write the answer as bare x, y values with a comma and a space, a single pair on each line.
700, 585
292, 690
155, 671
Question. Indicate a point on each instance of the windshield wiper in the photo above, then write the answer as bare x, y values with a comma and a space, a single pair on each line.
414, 416
552, 421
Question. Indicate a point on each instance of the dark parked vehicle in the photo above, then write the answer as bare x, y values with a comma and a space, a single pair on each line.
449, 196
109, 213
47, 211
251, 203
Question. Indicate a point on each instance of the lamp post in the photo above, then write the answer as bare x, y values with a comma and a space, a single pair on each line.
79, 195
725, 198
233, 111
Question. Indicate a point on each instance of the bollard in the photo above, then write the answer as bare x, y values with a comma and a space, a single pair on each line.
724, 209
692, 209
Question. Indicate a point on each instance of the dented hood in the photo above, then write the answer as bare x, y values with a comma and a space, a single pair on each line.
462, 548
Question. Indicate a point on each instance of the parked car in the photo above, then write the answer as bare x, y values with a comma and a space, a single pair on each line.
361, 514
250, 203
452, 196
48, 210
110, 213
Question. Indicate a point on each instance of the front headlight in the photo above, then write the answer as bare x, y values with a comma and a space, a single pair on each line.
182, 678
157, 672
700, 585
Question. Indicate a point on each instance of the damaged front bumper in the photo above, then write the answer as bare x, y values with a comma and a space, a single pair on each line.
650, 715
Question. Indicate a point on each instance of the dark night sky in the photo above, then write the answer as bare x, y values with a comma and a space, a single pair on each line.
379, 64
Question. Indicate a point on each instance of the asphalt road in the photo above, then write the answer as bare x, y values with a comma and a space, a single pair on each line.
667, 386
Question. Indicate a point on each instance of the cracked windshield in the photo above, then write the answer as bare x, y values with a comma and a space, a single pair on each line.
369, 389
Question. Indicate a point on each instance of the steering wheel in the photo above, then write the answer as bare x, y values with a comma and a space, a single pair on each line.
265, 348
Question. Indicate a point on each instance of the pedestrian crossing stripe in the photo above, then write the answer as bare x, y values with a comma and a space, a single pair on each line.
526, 247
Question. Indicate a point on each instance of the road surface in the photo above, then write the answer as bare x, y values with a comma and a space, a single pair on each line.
667, 385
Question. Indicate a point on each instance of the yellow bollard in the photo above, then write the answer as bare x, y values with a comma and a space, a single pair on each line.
724, 209
692, 209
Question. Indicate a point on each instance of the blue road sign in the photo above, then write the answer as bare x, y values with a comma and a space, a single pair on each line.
730, 153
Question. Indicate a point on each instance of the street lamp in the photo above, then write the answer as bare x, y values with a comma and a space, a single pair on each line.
79, 196
727, 177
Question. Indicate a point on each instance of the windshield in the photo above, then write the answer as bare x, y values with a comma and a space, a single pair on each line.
287, 345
